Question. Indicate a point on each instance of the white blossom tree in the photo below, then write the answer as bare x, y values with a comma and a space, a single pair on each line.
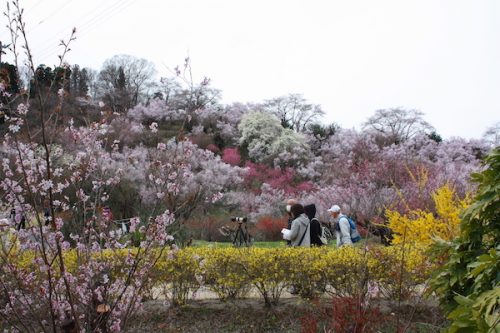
293, 111
265, 139
398, 124
492, 134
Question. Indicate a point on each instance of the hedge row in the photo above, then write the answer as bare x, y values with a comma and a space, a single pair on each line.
389, 272
231, 272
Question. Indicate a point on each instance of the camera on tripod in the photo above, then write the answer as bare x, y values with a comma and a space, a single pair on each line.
239, 219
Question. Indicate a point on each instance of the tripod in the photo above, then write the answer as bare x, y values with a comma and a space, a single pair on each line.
241, 236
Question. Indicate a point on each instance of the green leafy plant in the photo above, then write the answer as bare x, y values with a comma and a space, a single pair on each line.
469, 283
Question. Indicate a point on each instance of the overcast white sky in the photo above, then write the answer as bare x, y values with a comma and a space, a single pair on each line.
352, 57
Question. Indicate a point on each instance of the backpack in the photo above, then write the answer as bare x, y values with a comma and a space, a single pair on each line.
355, 236
324, 235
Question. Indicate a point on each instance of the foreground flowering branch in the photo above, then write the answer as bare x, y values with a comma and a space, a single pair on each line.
79, 271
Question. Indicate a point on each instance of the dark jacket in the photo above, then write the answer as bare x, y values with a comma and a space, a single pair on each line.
289, 226
315, 227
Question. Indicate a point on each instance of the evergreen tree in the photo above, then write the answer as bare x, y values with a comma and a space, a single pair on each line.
121, 81
75, 79
9, 77
83, 83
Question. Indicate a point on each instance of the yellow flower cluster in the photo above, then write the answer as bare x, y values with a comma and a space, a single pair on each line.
419, 226
232, 272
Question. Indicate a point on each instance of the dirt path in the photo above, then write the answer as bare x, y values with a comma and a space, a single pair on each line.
205, 313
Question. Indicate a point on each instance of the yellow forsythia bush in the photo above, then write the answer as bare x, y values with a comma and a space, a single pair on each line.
179, 273
224, 272
399, 272
231, 272
307, 270
347, 271
419, 226
269, 271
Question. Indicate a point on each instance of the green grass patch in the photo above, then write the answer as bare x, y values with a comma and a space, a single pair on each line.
267, 245
218, 245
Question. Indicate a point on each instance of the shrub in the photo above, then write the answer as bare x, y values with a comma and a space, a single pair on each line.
270, 227
399, 272
346, 314
231, 156
179, 273
224, 273
419, 226
269, 271
230, 272
468, 283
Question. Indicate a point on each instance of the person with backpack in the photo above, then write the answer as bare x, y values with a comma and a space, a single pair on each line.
345, 228
315, 226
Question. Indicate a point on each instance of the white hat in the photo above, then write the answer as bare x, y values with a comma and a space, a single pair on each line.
334, 209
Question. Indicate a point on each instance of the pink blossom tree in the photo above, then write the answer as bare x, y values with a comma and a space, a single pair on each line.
366, 178
57, 175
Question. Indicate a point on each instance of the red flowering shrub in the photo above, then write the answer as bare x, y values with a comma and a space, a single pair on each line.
285, 179
346, 315
269, 228
213, 148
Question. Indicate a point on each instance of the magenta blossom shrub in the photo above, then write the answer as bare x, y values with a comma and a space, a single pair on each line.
231, 156
284, 179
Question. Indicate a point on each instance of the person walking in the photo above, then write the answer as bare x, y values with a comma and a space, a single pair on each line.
289, 204
342, 226
299, 232
315, 226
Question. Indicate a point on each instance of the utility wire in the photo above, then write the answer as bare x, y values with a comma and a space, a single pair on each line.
64, 31
34, 6
61, 33
67, 3
88, 26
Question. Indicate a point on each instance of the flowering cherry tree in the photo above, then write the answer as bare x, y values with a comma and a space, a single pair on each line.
69, 266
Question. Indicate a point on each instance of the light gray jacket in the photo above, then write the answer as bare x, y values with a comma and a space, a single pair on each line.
344, 235
300, 226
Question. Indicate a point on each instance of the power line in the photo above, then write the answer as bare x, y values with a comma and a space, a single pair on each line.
61, 33
91, 25
86, 27
50, 15
27, 12
34, 6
